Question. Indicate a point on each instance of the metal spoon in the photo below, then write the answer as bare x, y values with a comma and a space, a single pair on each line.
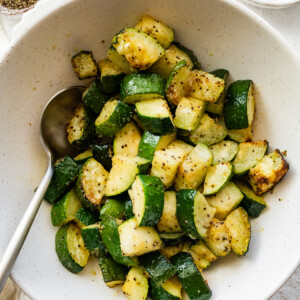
58, 111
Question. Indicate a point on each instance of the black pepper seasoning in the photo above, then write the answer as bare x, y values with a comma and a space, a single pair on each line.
17, 4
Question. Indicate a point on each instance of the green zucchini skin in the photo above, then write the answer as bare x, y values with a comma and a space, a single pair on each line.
103, 154
190, 277
111, 239
128, 210
93, 97
147, 145
84, 65
220, 73
85, 217
114, 208
142, 86
235, 107
65, 172
171, 239
62, 250
159, 293
185, 212
190, 53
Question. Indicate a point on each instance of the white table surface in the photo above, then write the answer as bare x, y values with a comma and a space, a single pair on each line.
287, 23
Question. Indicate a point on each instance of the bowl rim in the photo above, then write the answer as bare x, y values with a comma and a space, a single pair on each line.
273, 4
46, 8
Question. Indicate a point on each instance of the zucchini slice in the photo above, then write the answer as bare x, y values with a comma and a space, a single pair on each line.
238, 226
168, 221
139, 48
111, 239
192, 171
268, 172
156, 29
103, 154
85, 217
136, 284
65, 173
114, 208
179, 83
218, 238
142, 86
190, 53
150, 143
202, 255
84, 65
93, 97
138, 240
171, 239
224, 151
250, 153
169, 251
64, 210
206, 86
92, 240
252, 203
169, 290
169, 60
217, 177
190, 277
240, 105
207, 132
91, 183
119, 62
194, 214
82, 157
70, 248
147, 195
226, 200
127, 140
155, 116
166, 161
123, 172
113, 117
81, 128
157, 267
111, 76
189, 113
128, 210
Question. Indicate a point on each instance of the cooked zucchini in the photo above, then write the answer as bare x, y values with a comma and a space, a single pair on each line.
139, 48
127, 140
192, 171
190, 53
189, 113
179, 83
166, 161
123, 172
224, 151
218, 238
217, 177
207, 132
226, 200
138, 240
252, 203
147, 195
142, 86
111, 76
64, 210
169, 60
84, 65
65, 173
238, 226
103, 154
240, 105
206, 86
169, 290
168, 221
173, 238
157, 29
85, 217
169, 251
155, 116
268, 172
194, 214
70, 248
136, 285
190, 277
202, 255
91, 183
114, 208
128, 209
113, 117
93, 97
82, 157
119, 61
157, 267
250, 153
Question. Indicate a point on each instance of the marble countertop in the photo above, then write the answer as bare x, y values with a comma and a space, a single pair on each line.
287, 22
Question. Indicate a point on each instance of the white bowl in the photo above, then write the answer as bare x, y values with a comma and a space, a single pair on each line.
222, 34
274, 4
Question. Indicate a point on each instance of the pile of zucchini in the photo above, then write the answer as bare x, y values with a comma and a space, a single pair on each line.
168, 174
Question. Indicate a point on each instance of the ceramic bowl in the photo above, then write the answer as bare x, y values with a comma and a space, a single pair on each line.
273, 4
223, 34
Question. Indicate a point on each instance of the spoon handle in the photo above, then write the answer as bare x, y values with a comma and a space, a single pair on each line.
16, 242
